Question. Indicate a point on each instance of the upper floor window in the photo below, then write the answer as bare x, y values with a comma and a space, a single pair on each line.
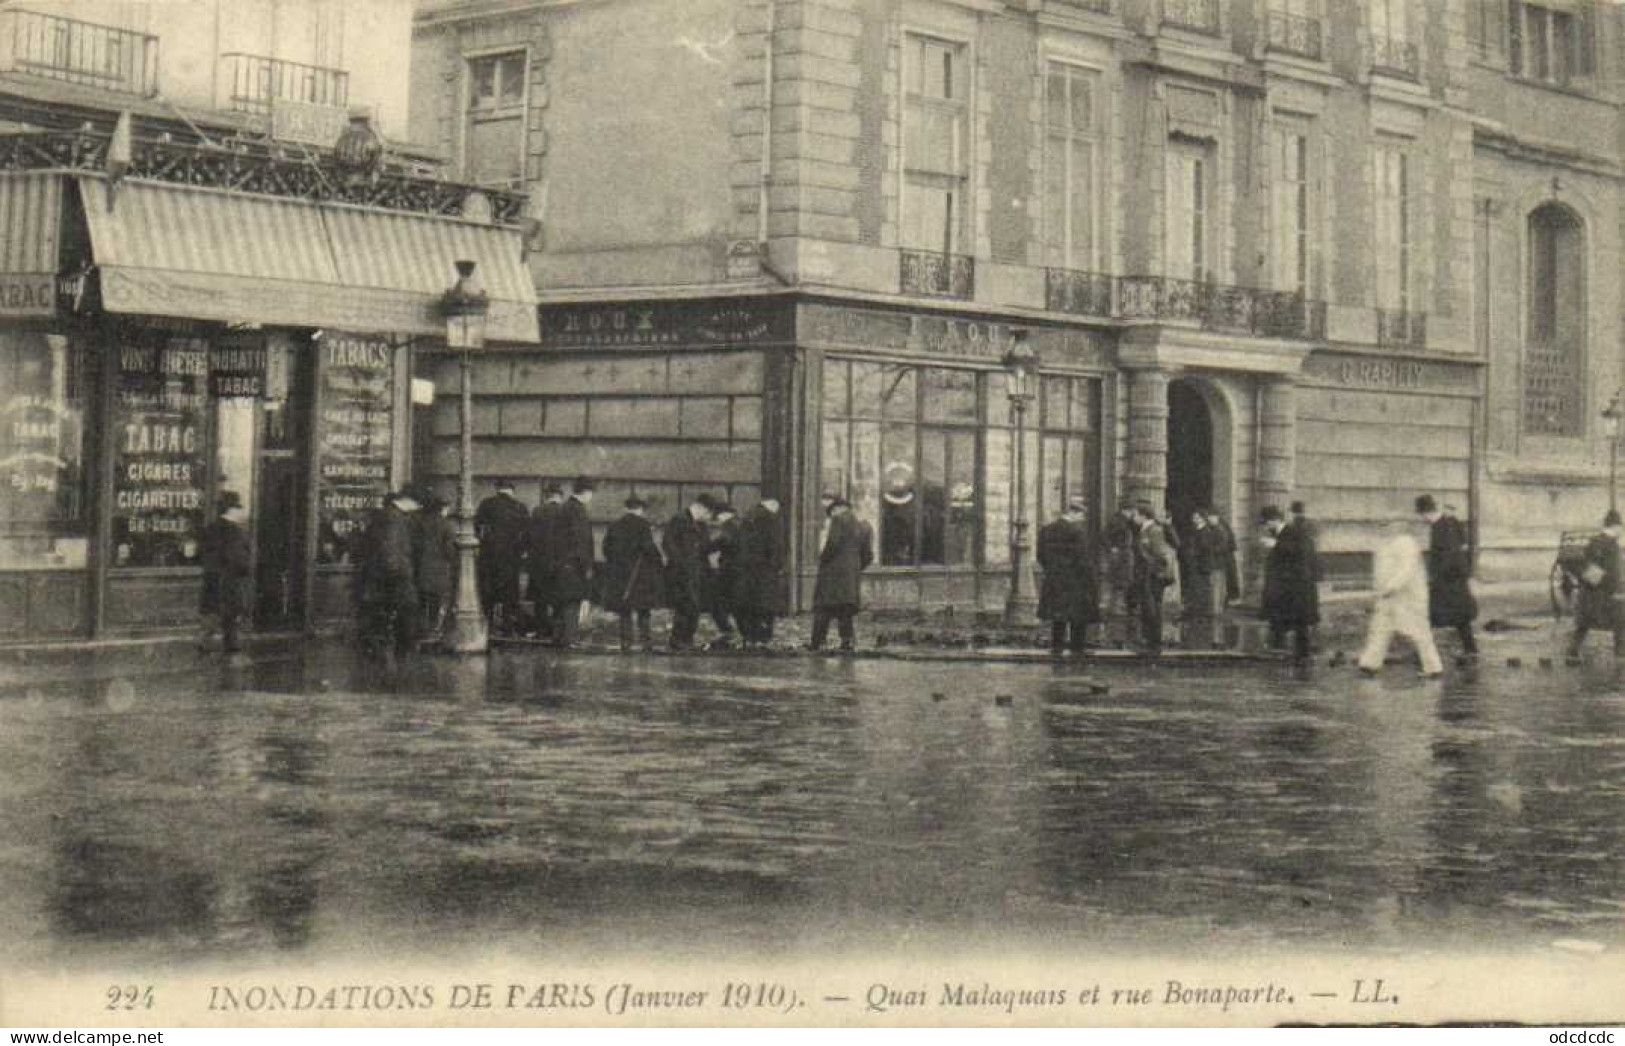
1294, 27
1070, 159
1554, 359
1549, 43
936, 93
1393, 226
1392, 46
1295, 208
493, 141
1188, 195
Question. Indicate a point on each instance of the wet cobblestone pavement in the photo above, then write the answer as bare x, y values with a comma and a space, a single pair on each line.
313, 805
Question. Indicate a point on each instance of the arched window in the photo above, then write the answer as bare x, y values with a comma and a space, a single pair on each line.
1554, 352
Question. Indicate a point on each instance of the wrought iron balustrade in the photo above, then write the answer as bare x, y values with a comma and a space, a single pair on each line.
937, 275
1099, 7
1395, 55
1294, 34
1082, 293
76, 52
254, 167
1221, 307
1201, 16
252, 82
1398, 329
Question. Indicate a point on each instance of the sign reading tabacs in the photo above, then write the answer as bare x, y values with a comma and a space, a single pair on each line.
27, 294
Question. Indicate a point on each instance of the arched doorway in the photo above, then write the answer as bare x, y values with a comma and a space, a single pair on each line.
1191, 439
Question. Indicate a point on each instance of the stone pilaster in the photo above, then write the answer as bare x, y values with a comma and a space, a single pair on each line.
1146, 477
1277, 443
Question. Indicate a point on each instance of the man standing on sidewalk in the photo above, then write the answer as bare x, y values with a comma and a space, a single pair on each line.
683, 541
227, 567
761, 561
1450, 569
542, 559
1401, 604
1155, 570
632, 568
572, 536
1291, 597
502, 523
1069, 597
848, 550
1598, 605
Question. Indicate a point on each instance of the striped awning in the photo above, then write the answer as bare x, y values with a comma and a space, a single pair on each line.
30, 217
173, 250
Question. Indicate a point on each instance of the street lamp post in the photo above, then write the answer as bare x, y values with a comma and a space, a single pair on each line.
465, 306
1021, 386
1610, 427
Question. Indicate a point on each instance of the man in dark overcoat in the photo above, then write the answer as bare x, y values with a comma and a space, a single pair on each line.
632, 572
435, 570
1450, 571
683, 541
1069, 597
572, 581
390, 615
502, 523
848, 550
1599, 597
761, 562
722, 571
1291, 597
1155, 568
1224, 547
228, 563
1121, 531
541, 559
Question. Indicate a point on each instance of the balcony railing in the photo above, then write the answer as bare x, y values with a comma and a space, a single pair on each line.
1294, 34
1082, 293
1099, 7
78, 52
1221, 307
1397, 329
1393, 55
1200, 16
937, 275
253, 82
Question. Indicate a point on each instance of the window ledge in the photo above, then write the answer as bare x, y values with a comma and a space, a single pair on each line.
1593, 94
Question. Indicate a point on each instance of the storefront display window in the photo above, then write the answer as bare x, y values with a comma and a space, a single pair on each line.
43, 392
161, 450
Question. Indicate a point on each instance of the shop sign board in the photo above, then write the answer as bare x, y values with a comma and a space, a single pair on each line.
356, 443
1391, 374
27, 294
635, 325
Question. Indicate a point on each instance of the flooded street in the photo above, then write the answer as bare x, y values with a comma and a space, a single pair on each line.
768, 806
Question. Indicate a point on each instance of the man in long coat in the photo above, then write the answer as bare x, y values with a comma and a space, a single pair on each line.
572, 582
683, 541
722, 571
390, 612
502, 523
228, 563
1599, 598
1450, 569
434, 565
1224, 546
761, 561
1291, 597
848, 550
541, 559
632, 569
1155, 570
1069, 598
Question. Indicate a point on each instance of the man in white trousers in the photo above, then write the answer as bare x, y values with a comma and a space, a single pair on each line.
1402, 602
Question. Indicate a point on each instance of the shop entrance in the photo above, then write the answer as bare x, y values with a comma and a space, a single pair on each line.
1198, 449
258, 461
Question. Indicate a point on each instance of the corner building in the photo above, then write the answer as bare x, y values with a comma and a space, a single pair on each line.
785, 244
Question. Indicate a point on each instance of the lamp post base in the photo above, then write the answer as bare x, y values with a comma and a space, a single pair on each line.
1021, 605
468, 633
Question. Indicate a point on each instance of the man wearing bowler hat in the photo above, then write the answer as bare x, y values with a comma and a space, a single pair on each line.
502, 522
573, 567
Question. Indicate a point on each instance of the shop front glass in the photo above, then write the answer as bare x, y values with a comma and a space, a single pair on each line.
44, 390
161, 438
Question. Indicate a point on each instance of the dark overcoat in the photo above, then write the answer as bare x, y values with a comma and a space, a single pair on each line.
848, 551
572, 540
632, 565
761, 561
684, 541
722, 579
228, 563
386, 569
542, 555
1070, 590
1450, 567
1291, 596
436, 554
1598, 605
503, 524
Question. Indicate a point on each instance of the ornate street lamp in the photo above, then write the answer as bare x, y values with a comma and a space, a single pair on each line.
1610, 427
465, 307
1021, 386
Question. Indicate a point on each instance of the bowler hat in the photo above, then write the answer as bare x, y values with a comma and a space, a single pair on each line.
551, 489
837, 502
1426, 504
633, 501
581, 485
1270, 514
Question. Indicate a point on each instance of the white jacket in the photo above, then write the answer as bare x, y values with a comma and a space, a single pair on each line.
1401, 578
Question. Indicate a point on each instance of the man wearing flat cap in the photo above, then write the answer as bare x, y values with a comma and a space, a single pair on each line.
573, 578
1069, 596
502, 523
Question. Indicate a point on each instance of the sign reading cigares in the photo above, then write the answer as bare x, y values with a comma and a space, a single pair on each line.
161, 443
356, 442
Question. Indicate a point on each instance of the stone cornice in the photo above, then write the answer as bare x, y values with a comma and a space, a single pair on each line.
1166, 347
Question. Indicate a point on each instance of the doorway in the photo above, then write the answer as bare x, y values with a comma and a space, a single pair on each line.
257, 459
1190, 451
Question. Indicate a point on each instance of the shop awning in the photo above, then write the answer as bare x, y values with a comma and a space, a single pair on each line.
174, 250
30, 217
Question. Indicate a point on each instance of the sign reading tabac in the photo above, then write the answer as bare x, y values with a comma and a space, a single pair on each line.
27, 294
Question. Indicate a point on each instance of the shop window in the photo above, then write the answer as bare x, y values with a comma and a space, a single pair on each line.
1554, 360
1070, 425
1554, 44
1069, 168
935, 170
161, 439
1187, 203
1393, 227
43, 392
494, 135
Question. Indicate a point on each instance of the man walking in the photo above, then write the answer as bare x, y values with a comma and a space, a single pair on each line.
848, 550
1291, 598
572, 538
632, 568
1598, 604
761, 560
1450, 570
1069, 597
541, 557
501, 522
1155, 568
683, 542
1401, 604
